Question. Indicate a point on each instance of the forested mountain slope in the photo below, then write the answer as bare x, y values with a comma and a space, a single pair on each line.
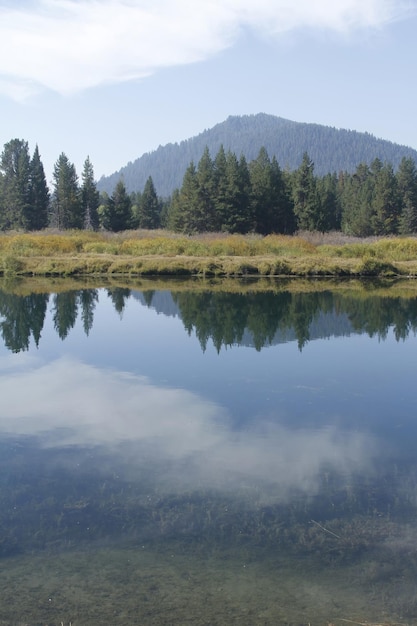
331, 149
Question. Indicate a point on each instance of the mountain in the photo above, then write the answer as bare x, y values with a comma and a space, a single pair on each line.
331, 149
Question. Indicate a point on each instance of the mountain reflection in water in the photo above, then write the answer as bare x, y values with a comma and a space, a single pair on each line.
257, 319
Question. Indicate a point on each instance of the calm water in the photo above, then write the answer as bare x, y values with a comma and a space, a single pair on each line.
193, 456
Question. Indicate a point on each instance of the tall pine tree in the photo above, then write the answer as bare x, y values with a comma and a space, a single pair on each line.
118, 211
306, 201
330, 211
90, 197
66, 200
204, 210
183, 206
15, 196
238, 210
282, 219
356, 201
39, 197
407, 188
220, 190
261, 191
149, 207
386, 199
231, 193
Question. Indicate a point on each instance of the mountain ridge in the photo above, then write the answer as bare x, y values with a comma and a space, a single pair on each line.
331, 149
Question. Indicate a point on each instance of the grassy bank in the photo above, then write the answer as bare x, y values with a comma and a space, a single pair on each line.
160, 253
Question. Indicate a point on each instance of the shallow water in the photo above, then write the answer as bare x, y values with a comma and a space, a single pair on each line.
194, 456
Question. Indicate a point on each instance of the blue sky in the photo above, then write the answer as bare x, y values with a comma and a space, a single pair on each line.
113, 79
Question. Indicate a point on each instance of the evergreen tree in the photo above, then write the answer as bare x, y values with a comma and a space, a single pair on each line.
245, 192
184, 203
237, 209
221, 207
15, 188
231, 195
164, 204
135, 199
272, 206
90, 197
118, 213
386, 200
306, 201
149, 207
66, 200
174, 217
192, 208
261, 192
102, 210
356, 202
204, 209
329, 202
39, 197
407, 188
282, 219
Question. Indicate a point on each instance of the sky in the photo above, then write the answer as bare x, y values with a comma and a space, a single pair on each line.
113, 79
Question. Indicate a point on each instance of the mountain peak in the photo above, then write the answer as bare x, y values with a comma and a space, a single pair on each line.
331, 149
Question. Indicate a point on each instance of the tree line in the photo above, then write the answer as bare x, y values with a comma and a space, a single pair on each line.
224, 193
27, 203
227, 193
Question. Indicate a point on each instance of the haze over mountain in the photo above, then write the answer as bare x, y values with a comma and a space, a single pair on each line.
331, 149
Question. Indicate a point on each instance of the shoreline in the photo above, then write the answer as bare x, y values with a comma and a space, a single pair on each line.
164, 254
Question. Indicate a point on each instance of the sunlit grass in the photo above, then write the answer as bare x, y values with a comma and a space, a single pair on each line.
388, 249
148, 242
217, 254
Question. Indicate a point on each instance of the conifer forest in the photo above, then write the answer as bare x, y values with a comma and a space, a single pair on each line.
220, 193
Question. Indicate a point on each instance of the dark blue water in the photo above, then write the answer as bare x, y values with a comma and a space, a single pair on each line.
208, 457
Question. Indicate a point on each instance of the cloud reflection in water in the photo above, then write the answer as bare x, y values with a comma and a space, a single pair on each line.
68, 402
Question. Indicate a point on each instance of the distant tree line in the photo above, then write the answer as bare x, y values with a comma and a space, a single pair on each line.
224, 193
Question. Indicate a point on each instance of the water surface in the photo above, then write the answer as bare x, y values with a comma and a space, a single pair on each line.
207, 455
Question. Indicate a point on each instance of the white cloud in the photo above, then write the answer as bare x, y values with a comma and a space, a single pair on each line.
71, 45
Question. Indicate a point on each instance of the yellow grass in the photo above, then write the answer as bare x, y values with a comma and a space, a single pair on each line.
162, 252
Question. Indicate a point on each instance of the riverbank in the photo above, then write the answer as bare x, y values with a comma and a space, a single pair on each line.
160, 253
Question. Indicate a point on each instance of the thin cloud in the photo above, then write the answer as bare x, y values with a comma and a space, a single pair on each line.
68, 46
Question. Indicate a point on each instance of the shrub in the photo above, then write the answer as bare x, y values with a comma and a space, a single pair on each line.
12, 265
396, 249
370, 266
